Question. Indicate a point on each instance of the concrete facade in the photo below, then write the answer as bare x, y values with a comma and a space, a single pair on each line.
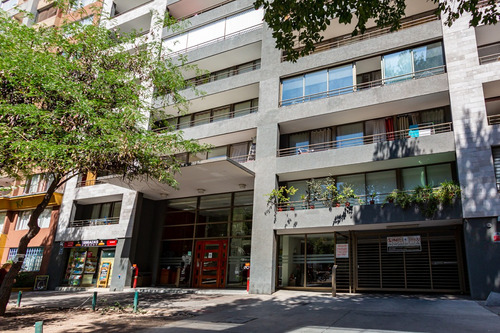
465, 143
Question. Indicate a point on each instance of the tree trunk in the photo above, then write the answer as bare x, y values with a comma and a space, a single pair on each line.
33, 230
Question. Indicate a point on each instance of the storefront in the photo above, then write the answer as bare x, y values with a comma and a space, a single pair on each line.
90, 263
420, 260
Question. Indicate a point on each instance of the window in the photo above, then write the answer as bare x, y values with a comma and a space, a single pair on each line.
496, 162
98, 211
3, 216
81, 4
350, 135
46, 13
340, 80
7, 5
38, 183
32, 260
24, 218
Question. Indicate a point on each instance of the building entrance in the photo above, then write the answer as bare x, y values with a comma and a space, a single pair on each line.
210, 264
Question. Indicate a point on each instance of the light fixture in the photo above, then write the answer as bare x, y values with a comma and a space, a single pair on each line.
201, 190
164, 194
242, 186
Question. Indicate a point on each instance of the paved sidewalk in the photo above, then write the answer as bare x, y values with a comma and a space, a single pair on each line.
295, 311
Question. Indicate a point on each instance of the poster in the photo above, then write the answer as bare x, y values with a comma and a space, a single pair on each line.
41, 282
404, 244
342, 251
104, 275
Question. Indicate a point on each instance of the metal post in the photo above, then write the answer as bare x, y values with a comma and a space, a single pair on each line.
19, 296
136, 300
334, 280
39, 327
94, 300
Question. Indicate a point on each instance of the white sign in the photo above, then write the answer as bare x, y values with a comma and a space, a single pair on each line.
342, 251
404, 244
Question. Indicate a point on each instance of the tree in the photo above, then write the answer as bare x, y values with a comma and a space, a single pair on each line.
76, 99
301, 23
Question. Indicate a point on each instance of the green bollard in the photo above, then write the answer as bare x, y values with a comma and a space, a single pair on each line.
19, 296
136, 301
39, 327
94, 300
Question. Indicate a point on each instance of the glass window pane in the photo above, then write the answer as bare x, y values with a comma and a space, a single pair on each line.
241, 228
301, 141
201, 118
397, 66
96, 210
197, 157
242, 213
211, 230
44, 218
117, 207
185, 121
340, 80
178, 232
350, 135
221, 114
214, 201
213, 215
301, 187
320, 260
291, 261
436, 174
241, 109
382, 183
106, 210
413, 177
243, 198
3, 216
427, 58
217, 152
292, 90
357, 182
315, 84
33, 184
238, 256
175, 218
175, 254
182, 204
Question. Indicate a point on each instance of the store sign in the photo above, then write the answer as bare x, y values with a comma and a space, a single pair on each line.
92, 243
342, 251
404, 244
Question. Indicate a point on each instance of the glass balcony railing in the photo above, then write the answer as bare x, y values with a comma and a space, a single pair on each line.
415, 132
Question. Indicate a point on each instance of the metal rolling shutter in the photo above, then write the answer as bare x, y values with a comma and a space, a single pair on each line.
496, 163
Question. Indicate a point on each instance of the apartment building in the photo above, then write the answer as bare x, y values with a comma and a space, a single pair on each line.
376, 112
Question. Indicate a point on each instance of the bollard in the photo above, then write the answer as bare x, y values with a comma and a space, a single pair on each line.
94, 300
136, 301
39, 327
19, 296
334, 280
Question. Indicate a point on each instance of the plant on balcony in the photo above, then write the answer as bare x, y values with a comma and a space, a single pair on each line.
425, 197
313, 194
279, 198
330, 194
400, 198
447, 192
372, 195
347, 195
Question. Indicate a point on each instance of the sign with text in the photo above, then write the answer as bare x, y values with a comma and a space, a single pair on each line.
92, 243
342, 251
404, 244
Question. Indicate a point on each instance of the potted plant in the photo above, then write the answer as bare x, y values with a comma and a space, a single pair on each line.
280, 197
313, 194
347, 194
400, 198
372, 196
330, 194
447, 192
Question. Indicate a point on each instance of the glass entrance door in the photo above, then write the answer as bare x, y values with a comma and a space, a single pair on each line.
210, 264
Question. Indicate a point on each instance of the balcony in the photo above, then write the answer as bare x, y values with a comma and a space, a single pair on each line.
365, 85
374, 32
488, 43
121, 7
183, 9
414, 132
94, 222
489, 53
225, 73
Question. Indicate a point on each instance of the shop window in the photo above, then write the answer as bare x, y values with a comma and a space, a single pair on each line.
496, 163
32, 260
24, 218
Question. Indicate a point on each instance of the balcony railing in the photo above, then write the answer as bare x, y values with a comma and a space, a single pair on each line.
366, 85
350, 39
212, 119
368, 139
494, 119
489, 53
243, 158
225, 74
89, 182
216, 40
94, 222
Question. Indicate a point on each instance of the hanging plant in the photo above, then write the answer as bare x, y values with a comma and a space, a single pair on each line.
280, 198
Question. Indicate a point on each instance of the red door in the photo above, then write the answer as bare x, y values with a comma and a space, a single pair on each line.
210, 264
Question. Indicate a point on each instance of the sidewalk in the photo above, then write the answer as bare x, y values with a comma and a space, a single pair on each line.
284, 311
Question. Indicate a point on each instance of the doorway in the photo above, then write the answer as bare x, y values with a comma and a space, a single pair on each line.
210, 264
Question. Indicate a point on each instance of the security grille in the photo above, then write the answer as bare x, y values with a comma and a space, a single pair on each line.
436, 267
32, 261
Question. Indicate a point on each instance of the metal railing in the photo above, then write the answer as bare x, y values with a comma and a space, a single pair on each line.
94, 222
88, 182
494, 119
243, 158
367, 139
489, 58
350, 39
210, 119
222, 75
216, 40
366, 85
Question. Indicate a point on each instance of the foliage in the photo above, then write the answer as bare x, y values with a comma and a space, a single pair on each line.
347, 194
279, 197
314, 192
330, 195
426, 198
301, 23
77, 99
